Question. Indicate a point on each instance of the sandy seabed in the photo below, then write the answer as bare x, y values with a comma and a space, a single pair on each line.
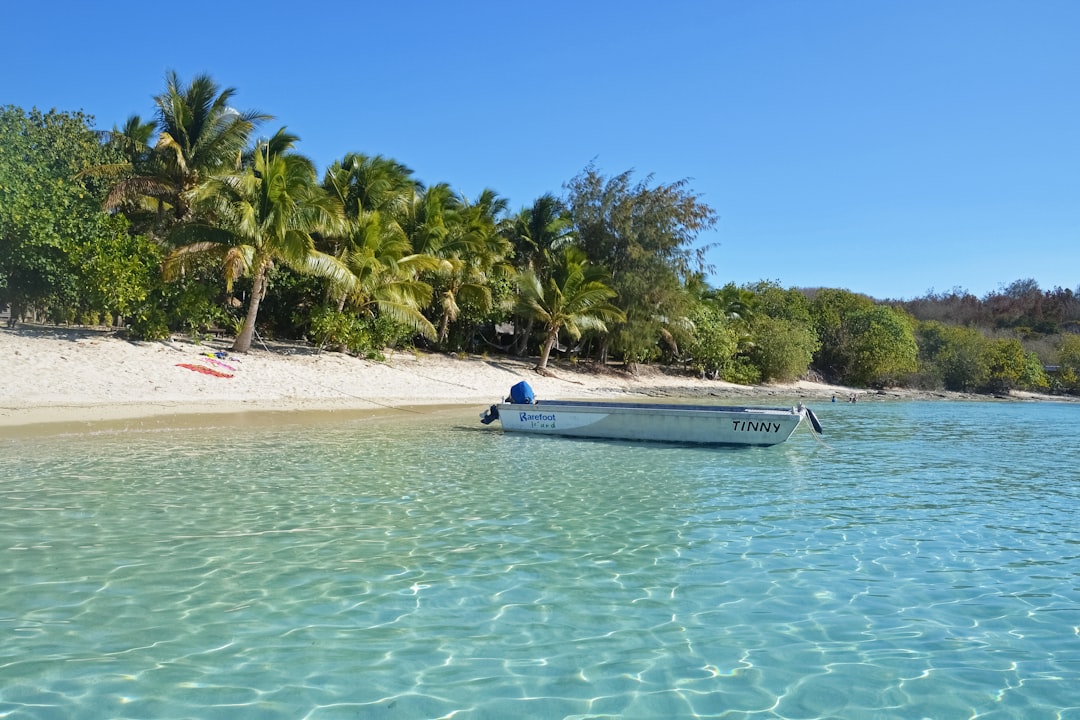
87, 376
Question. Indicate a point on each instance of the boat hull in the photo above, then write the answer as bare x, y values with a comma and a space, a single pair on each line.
696, 424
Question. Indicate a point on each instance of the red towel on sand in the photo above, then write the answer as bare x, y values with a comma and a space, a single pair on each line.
204, 370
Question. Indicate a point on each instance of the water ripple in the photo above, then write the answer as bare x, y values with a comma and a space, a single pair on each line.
409, 569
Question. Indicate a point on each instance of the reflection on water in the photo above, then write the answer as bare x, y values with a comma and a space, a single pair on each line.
923, 564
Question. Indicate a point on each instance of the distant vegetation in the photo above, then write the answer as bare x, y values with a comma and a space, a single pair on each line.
186, 223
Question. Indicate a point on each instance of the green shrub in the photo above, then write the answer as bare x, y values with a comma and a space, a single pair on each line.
365, 336
742, 372
712, 348
149, 323
782, 348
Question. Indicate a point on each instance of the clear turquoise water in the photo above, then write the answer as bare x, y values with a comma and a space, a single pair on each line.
926, 564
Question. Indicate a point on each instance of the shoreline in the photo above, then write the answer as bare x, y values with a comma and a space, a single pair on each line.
84, 377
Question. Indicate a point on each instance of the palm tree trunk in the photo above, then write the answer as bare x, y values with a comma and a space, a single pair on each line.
444, 329
521, 341
258, 289
605, 346
545, 351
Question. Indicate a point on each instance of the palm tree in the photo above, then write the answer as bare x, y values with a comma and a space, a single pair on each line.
371, 183
432, 222
199, 134
735, 303
464, 244
134, 156
262, 215
425, 216
538, 231
573, 299
386, 273
133, 140
374, 192
473, 254
535, 233
739, 307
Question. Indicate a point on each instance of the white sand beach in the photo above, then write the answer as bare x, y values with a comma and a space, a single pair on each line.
73, 375
70, 375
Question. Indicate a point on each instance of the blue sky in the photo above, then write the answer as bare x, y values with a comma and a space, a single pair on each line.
888, 147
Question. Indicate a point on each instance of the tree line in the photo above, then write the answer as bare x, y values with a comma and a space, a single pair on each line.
190, 222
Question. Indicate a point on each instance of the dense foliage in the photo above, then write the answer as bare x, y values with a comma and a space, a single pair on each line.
185, 223
61, 257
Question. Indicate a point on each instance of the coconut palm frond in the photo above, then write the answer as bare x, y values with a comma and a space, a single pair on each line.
477, 294
174, 265
407, 315
328, 266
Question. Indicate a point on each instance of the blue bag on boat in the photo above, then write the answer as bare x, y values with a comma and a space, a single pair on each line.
522, 394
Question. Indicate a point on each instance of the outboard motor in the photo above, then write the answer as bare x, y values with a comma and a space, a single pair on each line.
802, 409
522, 394
491, 415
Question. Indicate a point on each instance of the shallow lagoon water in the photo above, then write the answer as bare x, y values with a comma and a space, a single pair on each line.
925, 563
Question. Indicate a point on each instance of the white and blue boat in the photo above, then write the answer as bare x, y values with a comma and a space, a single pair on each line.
645, 421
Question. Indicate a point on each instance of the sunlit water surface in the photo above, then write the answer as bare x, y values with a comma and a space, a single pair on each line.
924, 564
